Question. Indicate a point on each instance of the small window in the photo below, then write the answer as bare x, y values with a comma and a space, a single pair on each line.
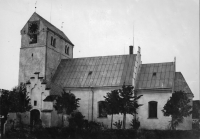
54, 42
153, 109
35, 103
33, 38
66, 50
102, 109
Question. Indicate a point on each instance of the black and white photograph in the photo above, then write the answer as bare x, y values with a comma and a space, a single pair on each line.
99, 69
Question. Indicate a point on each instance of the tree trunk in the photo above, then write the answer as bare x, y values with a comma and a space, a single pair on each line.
62, 121
124, 121
111, 121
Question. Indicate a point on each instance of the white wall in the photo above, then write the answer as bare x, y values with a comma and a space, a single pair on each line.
162, 121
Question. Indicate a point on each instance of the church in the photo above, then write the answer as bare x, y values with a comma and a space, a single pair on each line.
47, 67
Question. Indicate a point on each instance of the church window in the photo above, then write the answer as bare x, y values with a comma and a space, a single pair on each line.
102, 109
66, 50
33, 38
35, 103
153, 109
54, 42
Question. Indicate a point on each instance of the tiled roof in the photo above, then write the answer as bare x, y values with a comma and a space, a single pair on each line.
157, 75
54, 89
95, 71
54, 29
180, 83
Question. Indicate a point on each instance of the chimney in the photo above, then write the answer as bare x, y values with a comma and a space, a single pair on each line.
131, 50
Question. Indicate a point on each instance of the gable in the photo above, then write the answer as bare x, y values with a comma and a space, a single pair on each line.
95, 71
45, 23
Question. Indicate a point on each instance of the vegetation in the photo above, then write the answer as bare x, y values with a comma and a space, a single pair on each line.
122, 101
177, 107
112, 104
16, 101
66, 103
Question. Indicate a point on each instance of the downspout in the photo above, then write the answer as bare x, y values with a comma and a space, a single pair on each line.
92, 102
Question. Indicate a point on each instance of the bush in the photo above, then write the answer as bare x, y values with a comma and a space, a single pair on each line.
118, 124
76, 120
135, 124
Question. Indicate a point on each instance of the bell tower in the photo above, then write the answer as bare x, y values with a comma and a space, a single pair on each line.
42, 48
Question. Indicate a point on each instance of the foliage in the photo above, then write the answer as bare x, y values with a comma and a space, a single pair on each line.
76, 120
135, 124
118, 124
20, 101
178, 107
128, 102
5, 103
122, 101
112, 103
66, 103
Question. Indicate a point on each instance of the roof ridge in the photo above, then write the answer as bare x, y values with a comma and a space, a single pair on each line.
157, 63
98, 56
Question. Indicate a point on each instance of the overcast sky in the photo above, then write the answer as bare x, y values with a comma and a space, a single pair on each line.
164, 29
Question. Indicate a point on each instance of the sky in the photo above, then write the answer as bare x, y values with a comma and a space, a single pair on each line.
164, 29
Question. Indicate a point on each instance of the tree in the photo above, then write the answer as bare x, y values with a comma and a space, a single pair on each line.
177, 107
66, 103
20, 99
4, 107
112, 103
128, 102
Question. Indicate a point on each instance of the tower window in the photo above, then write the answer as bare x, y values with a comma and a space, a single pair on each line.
35, 103
66, 50
54, 42
102, 109
153, 109
33, 38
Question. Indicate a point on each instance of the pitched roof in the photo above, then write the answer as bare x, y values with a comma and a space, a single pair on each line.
156, 75
54, 29
180, 83
95, 71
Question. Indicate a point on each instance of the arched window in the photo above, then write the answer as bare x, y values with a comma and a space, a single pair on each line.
54, 42
51, 40
66, 50
102, 109
153, 109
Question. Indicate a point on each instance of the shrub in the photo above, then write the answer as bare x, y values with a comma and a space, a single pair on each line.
135, 124
118, 124
76, 120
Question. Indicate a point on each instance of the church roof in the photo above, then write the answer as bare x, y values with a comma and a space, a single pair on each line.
54, 29
95, 71
180, 83
156, 76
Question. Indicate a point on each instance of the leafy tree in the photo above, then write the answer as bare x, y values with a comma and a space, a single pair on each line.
4, 107
177, 107
112, 103
128, 102
20, 99
66, 103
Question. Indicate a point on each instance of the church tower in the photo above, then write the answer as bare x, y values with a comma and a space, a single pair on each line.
42, 48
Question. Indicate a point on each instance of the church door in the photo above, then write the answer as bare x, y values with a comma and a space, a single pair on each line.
35, 116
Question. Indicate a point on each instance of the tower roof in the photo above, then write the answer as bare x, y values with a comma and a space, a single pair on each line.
52, 28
